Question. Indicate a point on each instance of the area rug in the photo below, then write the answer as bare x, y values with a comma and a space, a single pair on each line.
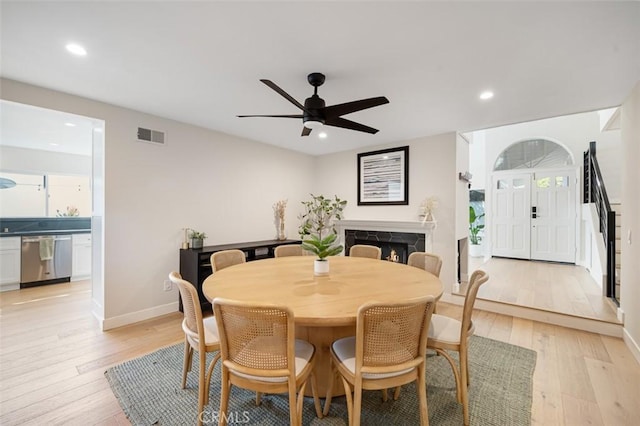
148, 389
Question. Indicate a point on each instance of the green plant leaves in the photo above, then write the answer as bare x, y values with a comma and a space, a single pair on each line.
197, 235
317, 229
322, 247
474, 229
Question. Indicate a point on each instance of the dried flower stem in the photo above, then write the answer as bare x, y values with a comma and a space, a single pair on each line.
279, 208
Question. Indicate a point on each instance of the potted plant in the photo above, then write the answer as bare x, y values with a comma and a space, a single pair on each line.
475, 249
318, 231
197, 239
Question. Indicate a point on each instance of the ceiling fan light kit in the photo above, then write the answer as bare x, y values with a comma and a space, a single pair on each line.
313, 124
315, 113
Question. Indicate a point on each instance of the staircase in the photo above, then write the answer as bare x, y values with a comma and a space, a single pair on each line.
596, 193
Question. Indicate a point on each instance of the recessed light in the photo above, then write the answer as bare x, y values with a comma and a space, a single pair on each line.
486, 95
322, 135
69, 124
76, 49
53, 144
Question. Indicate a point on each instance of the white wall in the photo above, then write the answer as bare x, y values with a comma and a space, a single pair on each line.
432, 172
593, 253
17, 202
462, 188
36, 161
478, 161
210, 181
73, 170
630, 267
574, 132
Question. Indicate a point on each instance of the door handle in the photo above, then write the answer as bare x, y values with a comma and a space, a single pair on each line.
534, 213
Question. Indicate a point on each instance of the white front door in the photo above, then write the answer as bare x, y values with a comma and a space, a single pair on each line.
553, 223
534, 215
511, 219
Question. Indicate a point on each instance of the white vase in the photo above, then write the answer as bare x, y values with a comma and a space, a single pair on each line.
321, 267
281, 233
475, 250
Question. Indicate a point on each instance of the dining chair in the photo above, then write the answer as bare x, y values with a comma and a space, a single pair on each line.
364, 250
288, 250
260, 352
225, 258
388, 350
431, 263
448, 334
428, 261
200, 334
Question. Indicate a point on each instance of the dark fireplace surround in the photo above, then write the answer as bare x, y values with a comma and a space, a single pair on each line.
404, 243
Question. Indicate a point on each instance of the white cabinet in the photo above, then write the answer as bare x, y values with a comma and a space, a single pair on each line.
81, 257
9, 263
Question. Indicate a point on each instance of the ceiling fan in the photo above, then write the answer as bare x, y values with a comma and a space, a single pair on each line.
315, 113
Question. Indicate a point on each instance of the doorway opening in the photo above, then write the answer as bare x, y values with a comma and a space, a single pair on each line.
65, 152
534, 148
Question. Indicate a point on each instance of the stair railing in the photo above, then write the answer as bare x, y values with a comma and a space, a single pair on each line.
595, 192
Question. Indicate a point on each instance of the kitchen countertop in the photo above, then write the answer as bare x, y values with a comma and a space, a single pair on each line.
30, 226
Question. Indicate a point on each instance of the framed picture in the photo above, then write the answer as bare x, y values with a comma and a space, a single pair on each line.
383, 177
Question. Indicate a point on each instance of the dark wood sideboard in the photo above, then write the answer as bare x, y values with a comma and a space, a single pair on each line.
195, 264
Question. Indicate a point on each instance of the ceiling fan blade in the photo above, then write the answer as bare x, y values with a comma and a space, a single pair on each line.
273, 116
282, 93
305, 131
348, 124
349, 107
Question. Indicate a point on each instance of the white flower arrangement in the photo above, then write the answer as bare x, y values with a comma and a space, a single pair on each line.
428, 206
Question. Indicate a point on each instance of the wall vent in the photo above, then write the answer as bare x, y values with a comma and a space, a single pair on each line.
153, 136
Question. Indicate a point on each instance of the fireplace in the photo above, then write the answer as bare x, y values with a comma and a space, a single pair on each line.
396, 246
393, 252
405, 237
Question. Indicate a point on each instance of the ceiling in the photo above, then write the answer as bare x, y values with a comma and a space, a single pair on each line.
200, 62
31, 127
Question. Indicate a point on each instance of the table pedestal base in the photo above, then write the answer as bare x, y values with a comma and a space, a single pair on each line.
322, 338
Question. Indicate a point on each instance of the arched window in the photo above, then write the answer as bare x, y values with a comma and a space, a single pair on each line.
533, 153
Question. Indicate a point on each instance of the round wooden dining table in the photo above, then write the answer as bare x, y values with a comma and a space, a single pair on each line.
325, 308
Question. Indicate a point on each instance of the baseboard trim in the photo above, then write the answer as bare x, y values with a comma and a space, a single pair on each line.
563, 320
97, 311
80, 278
9, 287
632, 345
133, 317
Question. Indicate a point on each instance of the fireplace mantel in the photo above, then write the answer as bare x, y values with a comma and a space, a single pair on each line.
417, 227
387, 225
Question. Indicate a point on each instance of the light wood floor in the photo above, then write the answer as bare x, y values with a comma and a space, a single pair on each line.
53, 358
556, 287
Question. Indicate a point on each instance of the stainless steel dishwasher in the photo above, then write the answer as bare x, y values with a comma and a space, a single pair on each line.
45, 258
